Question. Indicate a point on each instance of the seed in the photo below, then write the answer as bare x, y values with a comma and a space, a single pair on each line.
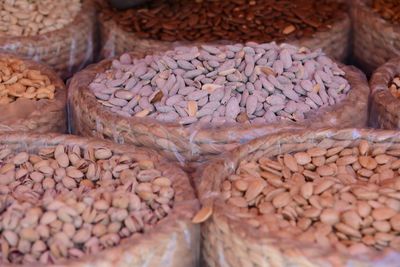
201, 216
102, 153
29, 234
347, 230
302, 158
323, 186
241, 185
21, 158
352, 219
289, 29
329, 216
146, 164
383, 213
11, 237
281, 200
290, 162
81, 236
254, 189
238, 202
307, 190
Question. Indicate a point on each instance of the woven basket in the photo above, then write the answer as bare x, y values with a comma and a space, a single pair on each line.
384, 113
228, 240
376, 40
66, 50
115, 40
173, 241
90, 118
45, 115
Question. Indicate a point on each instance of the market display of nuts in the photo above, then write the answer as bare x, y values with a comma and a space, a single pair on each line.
255, 83
394, 87
388, 9
65, 202
238, 21
16, 80
345, 196
28, 18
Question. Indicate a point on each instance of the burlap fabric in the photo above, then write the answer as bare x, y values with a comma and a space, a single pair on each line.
376, 40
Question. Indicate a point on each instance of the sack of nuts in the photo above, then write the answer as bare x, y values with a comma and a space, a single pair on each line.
309, 198
162, 24
193, 102
385, 94
58, 33
32, 96
376, 32
71, 201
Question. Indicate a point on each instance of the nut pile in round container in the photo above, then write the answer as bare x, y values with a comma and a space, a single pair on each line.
33, 17
66, 202
238, 21
394, 87
16, 80
343, 197
388, 9
255, 83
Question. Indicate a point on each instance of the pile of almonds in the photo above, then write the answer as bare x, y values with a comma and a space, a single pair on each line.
33, 17
394, 87
254, 83
347, 198
67, 202
16, 80
388, 9
238, 20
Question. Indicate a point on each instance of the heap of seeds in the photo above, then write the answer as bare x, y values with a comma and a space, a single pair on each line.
67, 202
32, 17
16, 80
238, 21
256, 83
388, 9
343, 197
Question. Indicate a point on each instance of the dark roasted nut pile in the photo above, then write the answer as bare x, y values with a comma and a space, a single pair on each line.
67, 202
238, 20
342, 197
256, 83
388, 9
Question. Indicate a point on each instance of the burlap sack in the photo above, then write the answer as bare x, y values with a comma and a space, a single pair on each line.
229, 238
66, 50
172, 242
376, 40
197, 142
384, 113
115, 40
40, 116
